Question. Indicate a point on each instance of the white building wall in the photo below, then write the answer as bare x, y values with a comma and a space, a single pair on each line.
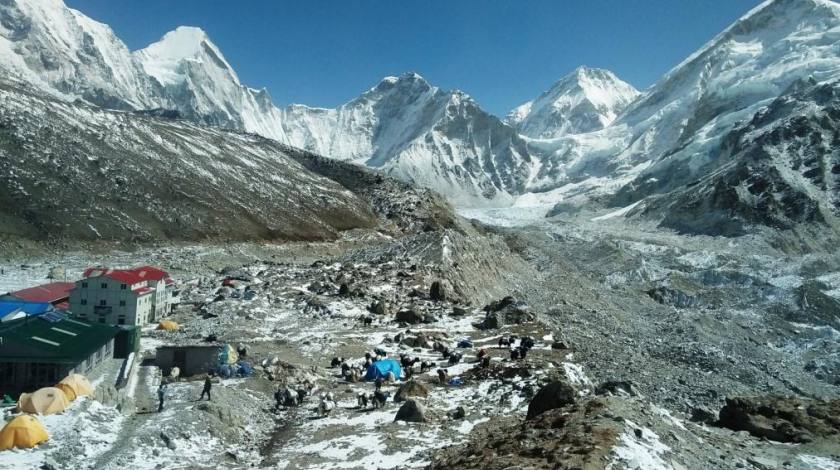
124, 306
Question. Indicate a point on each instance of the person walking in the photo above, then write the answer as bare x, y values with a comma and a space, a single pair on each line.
161, 392
208, 384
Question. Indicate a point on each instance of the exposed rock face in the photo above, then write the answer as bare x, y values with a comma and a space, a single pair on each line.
412, 388
783, 419
556, 394
580, 436
780, 169
411, 412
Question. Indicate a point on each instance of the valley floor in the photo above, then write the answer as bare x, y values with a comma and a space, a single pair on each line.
686, 320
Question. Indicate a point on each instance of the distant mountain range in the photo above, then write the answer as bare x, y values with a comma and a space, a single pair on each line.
589, 139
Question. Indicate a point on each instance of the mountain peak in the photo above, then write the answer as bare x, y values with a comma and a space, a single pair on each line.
180, 43
585, 100
162, 59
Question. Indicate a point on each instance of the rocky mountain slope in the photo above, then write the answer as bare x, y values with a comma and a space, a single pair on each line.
79, 172
780, 169
586, 100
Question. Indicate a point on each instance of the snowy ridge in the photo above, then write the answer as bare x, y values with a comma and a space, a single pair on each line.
419, 133
66, 54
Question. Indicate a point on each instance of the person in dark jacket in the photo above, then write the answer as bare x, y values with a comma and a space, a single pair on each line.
161, 392
208, 384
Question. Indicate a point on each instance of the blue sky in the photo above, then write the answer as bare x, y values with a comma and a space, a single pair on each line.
326, 52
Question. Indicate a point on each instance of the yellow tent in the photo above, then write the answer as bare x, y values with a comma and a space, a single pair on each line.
78, 383
45, 401
167, 325
24, 432
68, 391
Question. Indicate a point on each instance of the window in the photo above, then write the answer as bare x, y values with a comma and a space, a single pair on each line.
122, 303
83, 301
121, 321
103, 302
123, 286
84, 285
101, 319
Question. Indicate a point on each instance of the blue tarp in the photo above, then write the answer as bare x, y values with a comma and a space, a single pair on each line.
30, 308
380, 369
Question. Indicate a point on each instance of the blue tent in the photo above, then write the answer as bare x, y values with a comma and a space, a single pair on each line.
380, 369
16, 309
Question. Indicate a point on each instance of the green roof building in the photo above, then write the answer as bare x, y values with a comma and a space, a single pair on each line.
39, 351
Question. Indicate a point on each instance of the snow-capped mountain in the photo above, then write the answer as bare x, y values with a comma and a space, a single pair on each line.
438, 139
63, 52
404, 126
586, 100
779, 169
203, 87
671, 135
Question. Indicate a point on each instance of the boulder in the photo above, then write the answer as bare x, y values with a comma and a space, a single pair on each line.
556, 394
344, 290
237, 274
412, 388
379, 307
412, 316
411, 412
458, 413
419, 341
782, 419
507, 311
440, 290
460, 311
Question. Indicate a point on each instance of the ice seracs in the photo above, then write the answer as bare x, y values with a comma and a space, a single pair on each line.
586, 100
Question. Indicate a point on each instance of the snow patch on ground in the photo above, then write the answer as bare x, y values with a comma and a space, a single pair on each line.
645, 453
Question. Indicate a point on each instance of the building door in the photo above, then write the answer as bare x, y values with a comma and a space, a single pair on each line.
180, 359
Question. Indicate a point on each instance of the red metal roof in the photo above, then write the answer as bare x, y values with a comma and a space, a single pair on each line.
143, 290
150, 272
52, 292
128, 276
